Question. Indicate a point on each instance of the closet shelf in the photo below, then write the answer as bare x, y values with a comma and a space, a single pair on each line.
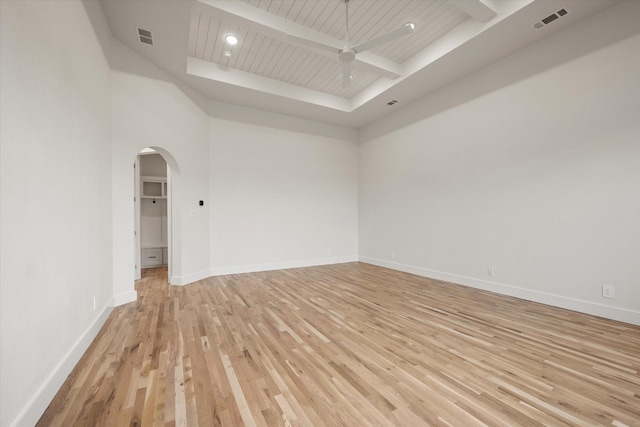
153, 187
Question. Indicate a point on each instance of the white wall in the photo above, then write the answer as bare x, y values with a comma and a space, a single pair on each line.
530, 167
151, 110
283, 191
55, 237
303, 180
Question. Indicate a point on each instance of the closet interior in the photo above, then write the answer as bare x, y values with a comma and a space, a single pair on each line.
153, 211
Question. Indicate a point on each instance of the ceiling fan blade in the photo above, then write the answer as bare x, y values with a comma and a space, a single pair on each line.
346, 74
402, 31
301, 41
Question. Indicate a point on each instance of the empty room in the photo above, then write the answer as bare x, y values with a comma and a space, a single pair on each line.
320, 213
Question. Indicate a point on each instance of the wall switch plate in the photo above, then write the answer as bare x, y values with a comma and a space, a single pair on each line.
608, 291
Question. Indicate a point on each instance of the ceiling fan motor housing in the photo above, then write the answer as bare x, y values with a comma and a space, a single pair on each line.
347, 54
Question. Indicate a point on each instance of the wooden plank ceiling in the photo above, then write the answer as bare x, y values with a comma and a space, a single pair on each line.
275, 59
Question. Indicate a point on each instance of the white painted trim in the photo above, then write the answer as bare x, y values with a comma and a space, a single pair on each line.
124, 298
588, 307
136, 219
209, 70
238, 269
36, 406
189, 278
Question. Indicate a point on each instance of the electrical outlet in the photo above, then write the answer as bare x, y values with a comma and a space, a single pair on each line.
393, 255
490, 271
608, 291
240, 258
94, 303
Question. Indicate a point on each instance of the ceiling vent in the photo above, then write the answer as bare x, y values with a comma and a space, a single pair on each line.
392, 102
549, 19
144, 36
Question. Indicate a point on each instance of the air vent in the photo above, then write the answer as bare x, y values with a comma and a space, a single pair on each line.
549, 19
144, 36
392, 102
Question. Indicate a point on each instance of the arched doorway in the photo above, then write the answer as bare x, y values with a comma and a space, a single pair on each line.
153, 242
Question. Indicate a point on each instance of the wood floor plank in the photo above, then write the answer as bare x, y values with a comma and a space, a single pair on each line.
347, 345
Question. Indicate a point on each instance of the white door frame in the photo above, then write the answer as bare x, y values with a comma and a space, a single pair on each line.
137, 212
169, 223
136, 216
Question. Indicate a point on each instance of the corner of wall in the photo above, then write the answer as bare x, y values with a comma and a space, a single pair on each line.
124, 298
189, 278
240, 269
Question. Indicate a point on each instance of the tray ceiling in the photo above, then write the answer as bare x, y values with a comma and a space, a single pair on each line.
259, 54
270, 69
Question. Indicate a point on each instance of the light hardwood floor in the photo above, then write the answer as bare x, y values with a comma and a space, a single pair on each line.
348, 345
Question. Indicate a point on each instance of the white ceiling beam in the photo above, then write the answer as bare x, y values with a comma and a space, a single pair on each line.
276, 27
379, 65
476, 9
209, 70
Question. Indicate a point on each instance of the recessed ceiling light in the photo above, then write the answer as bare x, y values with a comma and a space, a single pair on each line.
231, 39
226, 54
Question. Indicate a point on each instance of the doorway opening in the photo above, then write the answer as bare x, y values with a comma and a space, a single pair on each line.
152, 184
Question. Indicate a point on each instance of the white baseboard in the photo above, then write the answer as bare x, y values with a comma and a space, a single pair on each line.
189, 278
588, 307
34, 409
238, 269
124, 298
